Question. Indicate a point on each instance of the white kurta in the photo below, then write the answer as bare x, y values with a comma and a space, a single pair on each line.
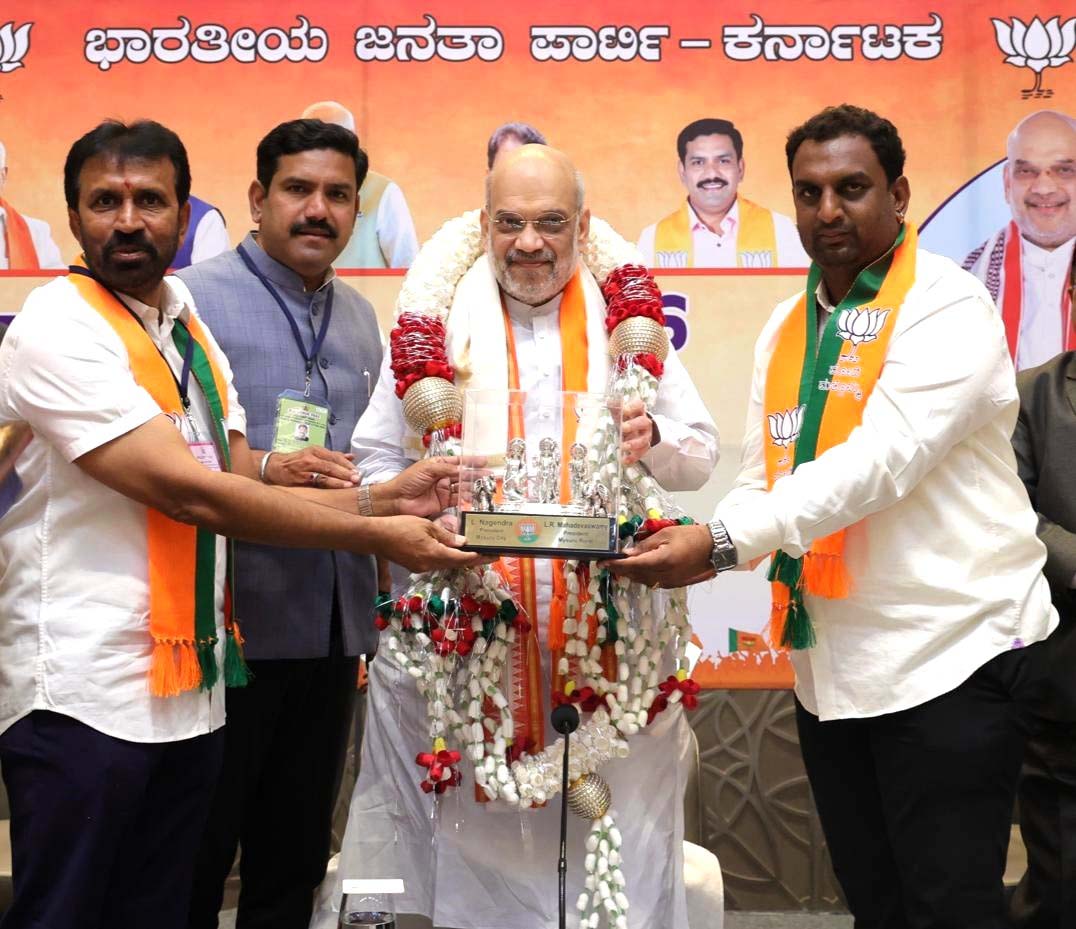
1045, 276
485, 866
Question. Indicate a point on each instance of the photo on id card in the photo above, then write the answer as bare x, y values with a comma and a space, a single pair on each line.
300, 422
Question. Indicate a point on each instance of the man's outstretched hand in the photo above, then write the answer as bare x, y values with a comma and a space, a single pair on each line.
426, 488
420, 545
674, 557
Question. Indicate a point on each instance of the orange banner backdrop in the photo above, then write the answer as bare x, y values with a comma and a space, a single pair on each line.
610, 83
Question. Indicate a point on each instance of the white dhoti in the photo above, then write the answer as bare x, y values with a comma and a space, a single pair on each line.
470, 865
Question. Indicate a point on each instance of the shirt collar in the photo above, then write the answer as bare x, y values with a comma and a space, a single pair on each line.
279, 274
524, 313
1043, 258
821, 296
171, 309
728, 224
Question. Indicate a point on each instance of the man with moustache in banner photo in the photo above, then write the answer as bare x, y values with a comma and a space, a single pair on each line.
906, 572
717, 227
1029, 265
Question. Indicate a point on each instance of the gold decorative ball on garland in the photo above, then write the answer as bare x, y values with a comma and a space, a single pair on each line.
590, 797
432, 403
639, 335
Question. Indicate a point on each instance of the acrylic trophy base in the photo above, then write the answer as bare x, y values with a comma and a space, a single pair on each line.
554, 534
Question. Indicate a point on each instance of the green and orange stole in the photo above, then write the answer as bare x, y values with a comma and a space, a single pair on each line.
816, 389
182, 558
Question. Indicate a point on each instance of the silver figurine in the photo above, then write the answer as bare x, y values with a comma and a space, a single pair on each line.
578, 472
483, 489
515, 471
547, 466
596, 499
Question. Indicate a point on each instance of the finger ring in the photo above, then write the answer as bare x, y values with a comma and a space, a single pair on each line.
316, 477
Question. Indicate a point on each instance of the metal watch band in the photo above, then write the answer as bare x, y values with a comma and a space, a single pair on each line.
723, 554
366, 505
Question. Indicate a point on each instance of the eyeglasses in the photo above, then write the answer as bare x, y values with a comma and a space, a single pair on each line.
546, 226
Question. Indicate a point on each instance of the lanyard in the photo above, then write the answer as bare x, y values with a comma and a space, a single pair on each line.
310, 357
184, 379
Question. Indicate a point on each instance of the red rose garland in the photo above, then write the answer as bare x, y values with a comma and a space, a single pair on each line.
631, 291
418, 350
417, 341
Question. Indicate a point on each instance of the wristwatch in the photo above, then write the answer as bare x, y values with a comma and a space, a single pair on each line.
723, 555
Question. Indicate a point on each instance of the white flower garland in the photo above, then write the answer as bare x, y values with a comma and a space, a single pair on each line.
465, 692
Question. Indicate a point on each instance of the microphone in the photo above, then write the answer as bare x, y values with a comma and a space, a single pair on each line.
565, 720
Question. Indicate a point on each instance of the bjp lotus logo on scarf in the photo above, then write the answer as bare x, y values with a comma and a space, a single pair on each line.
857, 326
14, 44
1036, 46
785, 427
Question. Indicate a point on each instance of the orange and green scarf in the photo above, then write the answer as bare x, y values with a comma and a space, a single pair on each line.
816, 390
182, 558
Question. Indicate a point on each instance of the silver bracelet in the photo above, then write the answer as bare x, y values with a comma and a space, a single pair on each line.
261, 467
366, 505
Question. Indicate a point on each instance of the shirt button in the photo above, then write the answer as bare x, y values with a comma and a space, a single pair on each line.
332, 419
324, 362
314, 311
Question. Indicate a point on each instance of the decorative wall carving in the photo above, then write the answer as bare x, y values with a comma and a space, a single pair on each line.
758, 815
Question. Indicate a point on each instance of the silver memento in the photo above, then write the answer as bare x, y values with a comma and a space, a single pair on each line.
515, 471
547, 465
483, 489
534, 494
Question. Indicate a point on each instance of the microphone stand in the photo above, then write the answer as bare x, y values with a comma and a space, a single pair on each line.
565, 720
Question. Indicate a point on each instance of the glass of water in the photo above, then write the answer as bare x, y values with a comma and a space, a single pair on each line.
369, 904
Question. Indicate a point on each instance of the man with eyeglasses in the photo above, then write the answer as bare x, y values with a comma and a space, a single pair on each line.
475, 866
1029, 264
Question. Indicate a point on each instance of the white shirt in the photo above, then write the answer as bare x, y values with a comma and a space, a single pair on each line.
941, 544
48, 252
718, 249
395, 228
74, 592
1045, 275
210, 237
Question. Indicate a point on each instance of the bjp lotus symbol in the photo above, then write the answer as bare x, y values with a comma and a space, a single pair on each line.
1036, 45
857, 326
785, 427
14, 43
